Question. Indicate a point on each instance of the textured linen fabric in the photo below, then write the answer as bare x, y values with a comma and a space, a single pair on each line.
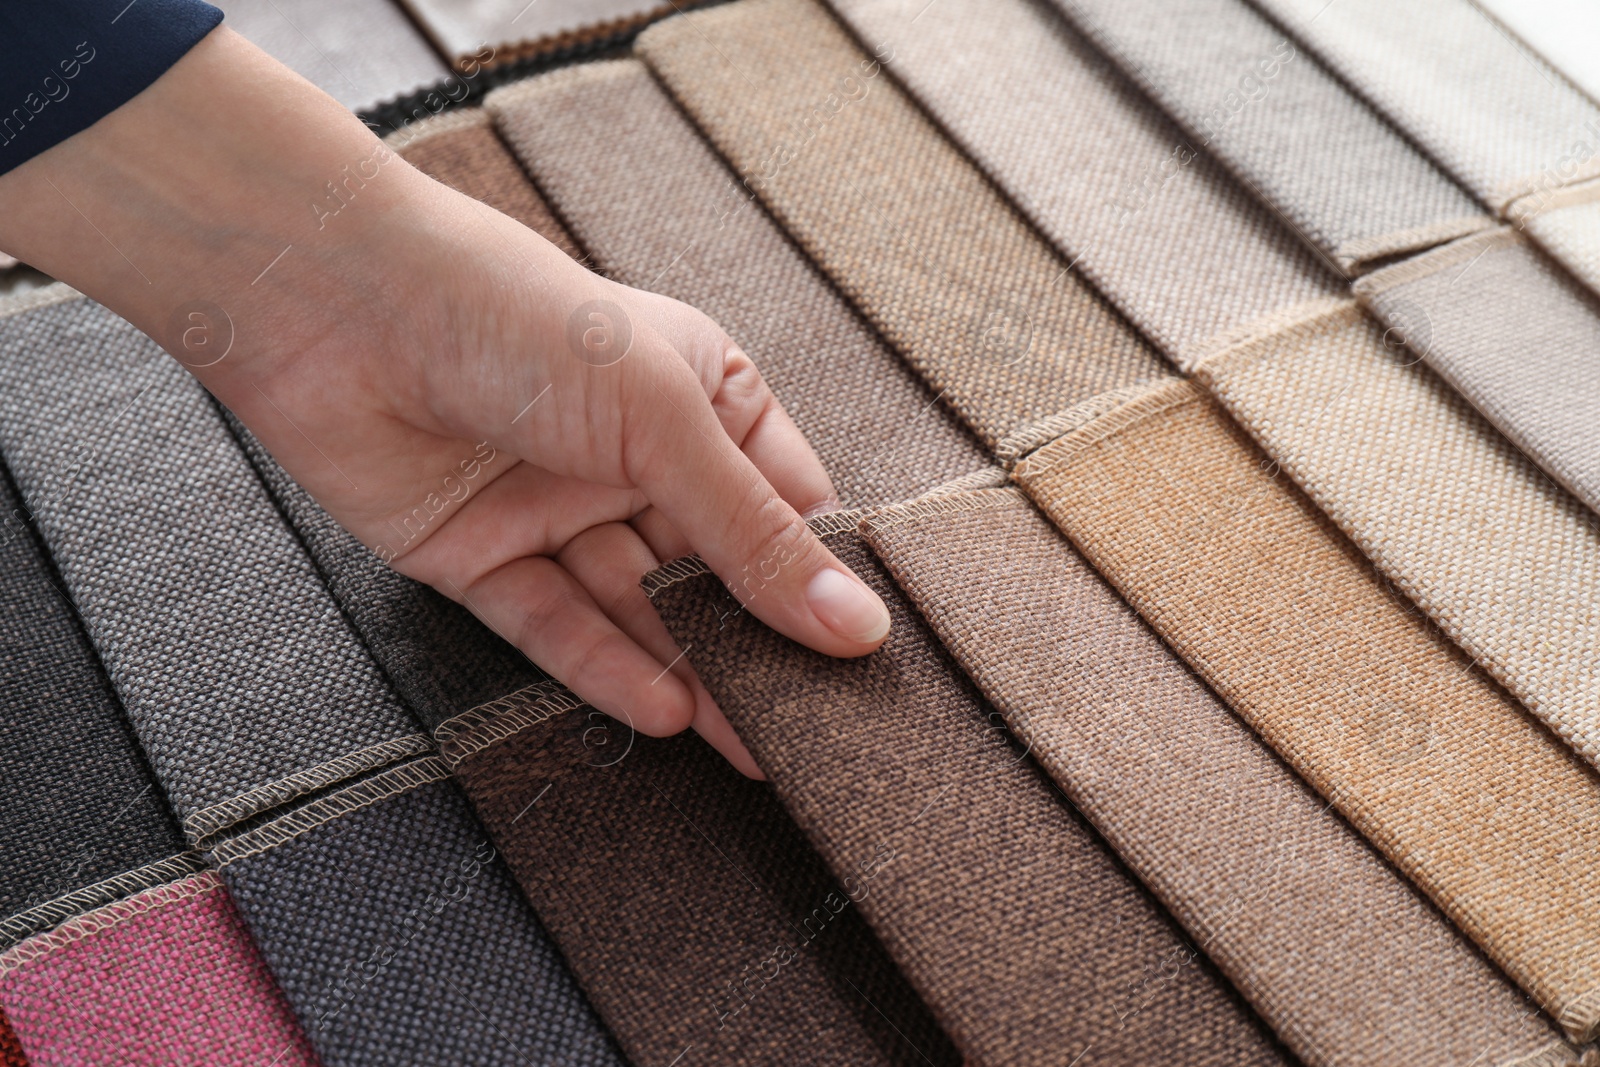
1566, 223
399, 937
1515, 335
492, 31
1501, 558
360, 52
1026, 937
167, 976
78, 803
1565, 32
1288, 622
1116, 212
1340, 175
1277, 889
908, 229
1479, 102
686, 900
586, 133
244, 684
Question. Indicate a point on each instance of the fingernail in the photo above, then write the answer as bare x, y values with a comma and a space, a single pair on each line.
847, 607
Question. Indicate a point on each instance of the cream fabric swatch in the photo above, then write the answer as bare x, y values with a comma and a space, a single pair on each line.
1488, 813
1565, 32
1566, 223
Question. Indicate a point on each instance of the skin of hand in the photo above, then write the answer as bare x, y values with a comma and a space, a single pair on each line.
491, 417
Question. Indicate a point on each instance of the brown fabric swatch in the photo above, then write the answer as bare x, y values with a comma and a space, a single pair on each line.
1277, 889
461, 149
1485, 810
691, 232
907, 228
1022, 931
688, 904
10, 1051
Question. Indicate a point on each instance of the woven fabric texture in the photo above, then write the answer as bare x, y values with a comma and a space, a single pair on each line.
244, 683
1500, 557
1567, 225
908, 229
1119, 211
1021, 930
1277, 889
360, 52
1516, 336
1289, 623
1340, 175
473, 32
692, 232
168, 976
1566, 33
78, 803
684, 897
1469, 94
10, 1048
398, 935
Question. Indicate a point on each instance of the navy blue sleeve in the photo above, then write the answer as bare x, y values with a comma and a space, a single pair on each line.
65, 64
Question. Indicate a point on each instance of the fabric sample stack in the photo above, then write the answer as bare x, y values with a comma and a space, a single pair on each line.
1211, 406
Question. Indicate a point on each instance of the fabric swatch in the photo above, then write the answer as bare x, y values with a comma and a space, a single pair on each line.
692, 232
1566, 33
1117, 212
931, 254
1026, 937
360, 52
10, 1048
1277, 889
167, 976
1504, 561
490, 32
686, 900
1516, 335
78, 803
398, 935
1566, 224
1289, 624
114, 447
1338, 174
1468, 93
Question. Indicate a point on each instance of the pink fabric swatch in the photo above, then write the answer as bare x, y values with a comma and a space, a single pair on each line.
168, 976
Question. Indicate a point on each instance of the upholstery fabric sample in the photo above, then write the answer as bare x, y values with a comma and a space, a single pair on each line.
1501, 558
1516, 335
686, 900
1338, 173
168, 976
78, 803
242, 680
1021, 930
1565, 32
1117, 212
1565, 223
493, 31
360, 52
907, 228
1279, 891
587, 132
1287, 621
399, 937
10, 1048
1469, 94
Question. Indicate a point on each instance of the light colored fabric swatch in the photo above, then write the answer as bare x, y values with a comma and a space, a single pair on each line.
1485, 810
692, 232
954, 279
1336, 172
1274, 886
1504, 560
360, 52
1175, 243
1516, 335
492, 31
1566, 223
1565, 32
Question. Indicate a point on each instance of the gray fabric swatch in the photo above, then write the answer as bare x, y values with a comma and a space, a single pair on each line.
243, 681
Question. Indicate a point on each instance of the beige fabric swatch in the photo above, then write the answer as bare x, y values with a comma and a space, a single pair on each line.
1488, 813
588, 132
1504, 560
1566, 223
1276, 888
909, 230
1566, 33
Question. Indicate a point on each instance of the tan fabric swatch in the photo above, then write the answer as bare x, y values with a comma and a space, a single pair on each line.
1516, 335
906, 227
1002, 906
690, 231
1504, 560
1096, 166
1486, 811
1277, 889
